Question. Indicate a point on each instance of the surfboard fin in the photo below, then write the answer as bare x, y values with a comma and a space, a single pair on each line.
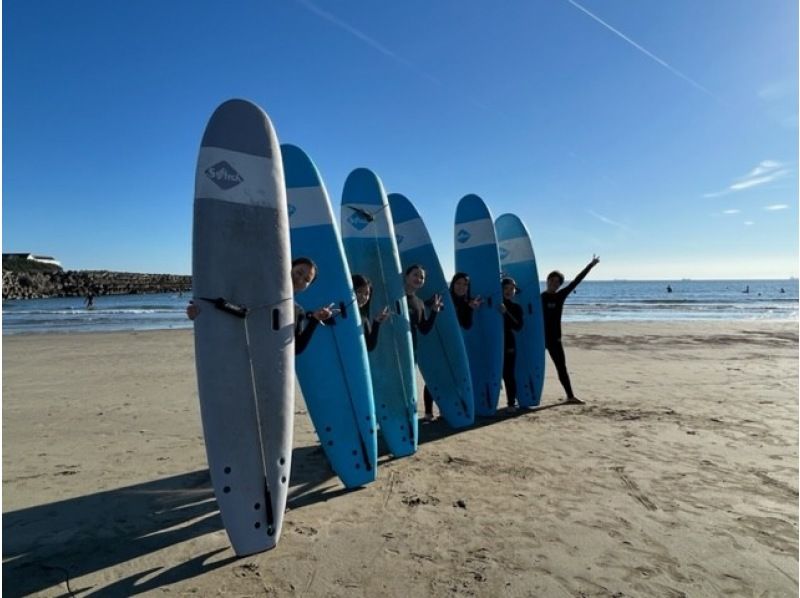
269, 512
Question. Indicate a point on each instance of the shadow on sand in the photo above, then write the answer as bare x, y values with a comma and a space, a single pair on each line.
52, 544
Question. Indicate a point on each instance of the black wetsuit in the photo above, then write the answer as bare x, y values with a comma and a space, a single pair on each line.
463, 311
371, 328
552, 307
304, 326
416, 315
512, 322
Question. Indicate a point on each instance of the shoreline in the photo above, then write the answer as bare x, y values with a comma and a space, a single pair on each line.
679, 477
566, 323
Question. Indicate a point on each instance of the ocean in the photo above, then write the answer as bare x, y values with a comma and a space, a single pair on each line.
592, 301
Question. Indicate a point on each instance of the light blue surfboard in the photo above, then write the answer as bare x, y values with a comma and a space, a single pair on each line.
518, 261
442, 357
368, 238
476, 254
245, 359
333, 370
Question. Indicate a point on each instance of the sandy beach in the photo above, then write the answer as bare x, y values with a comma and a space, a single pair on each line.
679, 477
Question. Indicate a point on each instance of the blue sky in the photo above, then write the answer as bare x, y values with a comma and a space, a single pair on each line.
660, 135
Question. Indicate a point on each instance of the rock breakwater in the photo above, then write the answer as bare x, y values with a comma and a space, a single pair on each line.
79, 283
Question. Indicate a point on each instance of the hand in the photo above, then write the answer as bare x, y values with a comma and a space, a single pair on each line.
475, 303
192, 310
383, 315
502, 308
437, 304
322, 314
595, 260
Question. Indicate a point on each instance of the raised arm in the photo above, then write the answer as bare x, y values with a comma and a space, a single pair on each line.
581, 275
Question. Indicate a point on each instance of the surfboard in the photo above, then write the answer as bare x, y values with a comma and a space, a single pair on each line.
441, 354
518, 261
244, 333
476, 254
369, 242
333, 370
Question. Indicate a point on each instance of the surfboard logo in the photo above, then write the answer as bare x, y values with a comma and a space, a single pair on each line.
291, 209
399, 239
463, 236
358, 221
504, 253
224, 175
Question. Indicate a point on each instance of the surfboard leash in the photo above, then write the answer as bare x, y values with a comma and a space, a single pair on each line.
452, 372
242, 312
409, 415
364, 452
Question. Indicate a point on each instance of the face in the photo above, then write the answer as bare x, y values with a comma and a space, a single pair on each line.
460, 287
362, 295
415, 279
509, 291
302, 276
553, 283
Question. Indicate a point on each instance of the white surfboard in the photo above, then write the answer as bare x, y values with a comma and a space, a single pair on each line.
244, 333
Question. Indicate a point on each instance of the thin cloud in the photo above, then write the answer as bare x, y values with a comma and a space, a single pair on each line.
602, 218
777, 206
731, 211
777, 90
766, 172
749, 223
360, 35
644, 51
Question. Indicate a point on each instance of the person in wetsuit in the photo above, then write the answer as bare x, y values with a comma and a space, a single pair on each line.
465, 304
420, 322
552, 306
363, 289
512, 322
304, 271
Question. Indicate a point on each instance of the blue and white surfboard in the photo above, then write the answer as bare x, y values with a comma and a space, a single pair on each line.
369, 242
245, 356
442, 357
476, 255
333, 370
518, 261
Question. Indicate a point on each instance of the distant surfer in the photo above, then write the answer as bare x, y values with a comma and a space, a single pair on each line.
363, 289
783, 290
669, 289
421, 322
304, 271
89, 299
552, 305
512, 322
746, 289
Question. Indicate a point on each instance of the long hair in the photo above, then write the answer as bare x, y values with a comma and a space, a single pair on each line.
360, 281
456, 277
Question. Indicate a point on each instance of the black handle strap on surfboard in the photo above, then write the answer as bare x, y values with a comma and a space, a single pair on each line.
237, 309
240, 311
368, 216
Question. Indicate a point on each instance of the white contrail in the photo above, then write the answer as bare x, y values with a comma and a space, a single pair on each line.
644, 51
602, 218
373, 43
